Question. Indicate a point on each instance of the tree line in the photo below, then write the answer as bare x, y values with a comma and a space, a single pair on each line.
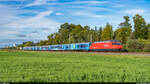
71, 33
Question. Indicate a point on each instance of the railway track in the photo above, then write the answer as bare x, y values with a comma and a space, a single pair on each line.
107, 52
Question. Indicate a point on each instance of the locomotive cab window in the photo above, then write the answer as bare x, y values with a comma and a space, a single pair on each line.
116, 43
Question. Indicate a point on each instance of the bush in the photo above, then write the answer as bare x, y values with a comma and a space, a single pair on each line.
144, 41
146, 48
146, 44
134, 45
125, 47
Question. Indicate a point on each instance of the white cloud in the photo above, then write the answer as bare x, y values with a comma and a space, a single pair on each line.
59, 13
48, 2
43, 14
89, 2
6, 14
9, 0
86, 14
118, 5
11, 24
134, 11
36, 22
39, 2
91, 8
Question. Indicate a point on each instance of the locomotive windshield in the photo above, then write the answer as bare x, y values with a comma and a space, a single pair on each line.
116, 43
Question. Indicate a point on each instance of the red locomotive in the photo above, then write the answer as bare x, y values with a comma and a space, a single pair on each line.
110, 45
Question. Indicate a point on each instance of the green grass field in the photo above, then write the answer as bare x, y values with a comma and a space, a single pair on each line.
24, 66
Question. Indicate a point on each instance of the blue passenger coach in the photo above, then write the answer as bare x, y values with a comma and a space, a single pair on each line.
66, 46
56, 47
44, 48
81, 46
73, 46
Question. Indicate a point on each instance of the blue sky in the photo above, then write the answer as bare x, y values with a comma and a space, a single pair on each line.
36, 19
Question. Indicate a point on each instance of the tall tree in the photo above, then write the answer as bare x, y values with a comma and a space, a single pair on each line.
64, 32
148, 26
99, 33
124, 30
96, 34
87, 33
140, 29
107, 32
126, 23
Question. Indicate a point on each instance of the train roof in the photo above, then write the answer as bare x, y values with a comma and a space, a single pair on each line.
58, 44
76, 43
107, 41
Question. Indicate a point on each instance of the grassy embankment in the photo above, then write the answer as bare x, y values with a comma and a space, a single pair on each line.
24, 66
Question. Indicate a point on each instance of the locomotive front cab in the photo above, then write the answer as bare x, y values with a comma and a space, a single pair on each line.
117, 46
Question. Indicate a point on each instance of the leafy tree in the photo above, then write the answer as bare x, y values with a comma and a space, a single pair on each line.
140, 29
123, 34
148, 26
29, 43
64, 31
87, 33
51, 39
132, 35
147, 47
43, 42
70, 33
107, 32
126, 23
124, 30
96, 34
99, 33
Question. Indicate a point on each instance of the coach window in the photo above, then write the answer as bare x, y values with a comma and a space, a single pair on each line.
67, 46
59, 46
82, 46
53, 47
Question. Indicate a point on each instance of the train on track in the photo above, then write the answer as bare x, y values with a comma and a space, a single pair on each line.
109, 45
